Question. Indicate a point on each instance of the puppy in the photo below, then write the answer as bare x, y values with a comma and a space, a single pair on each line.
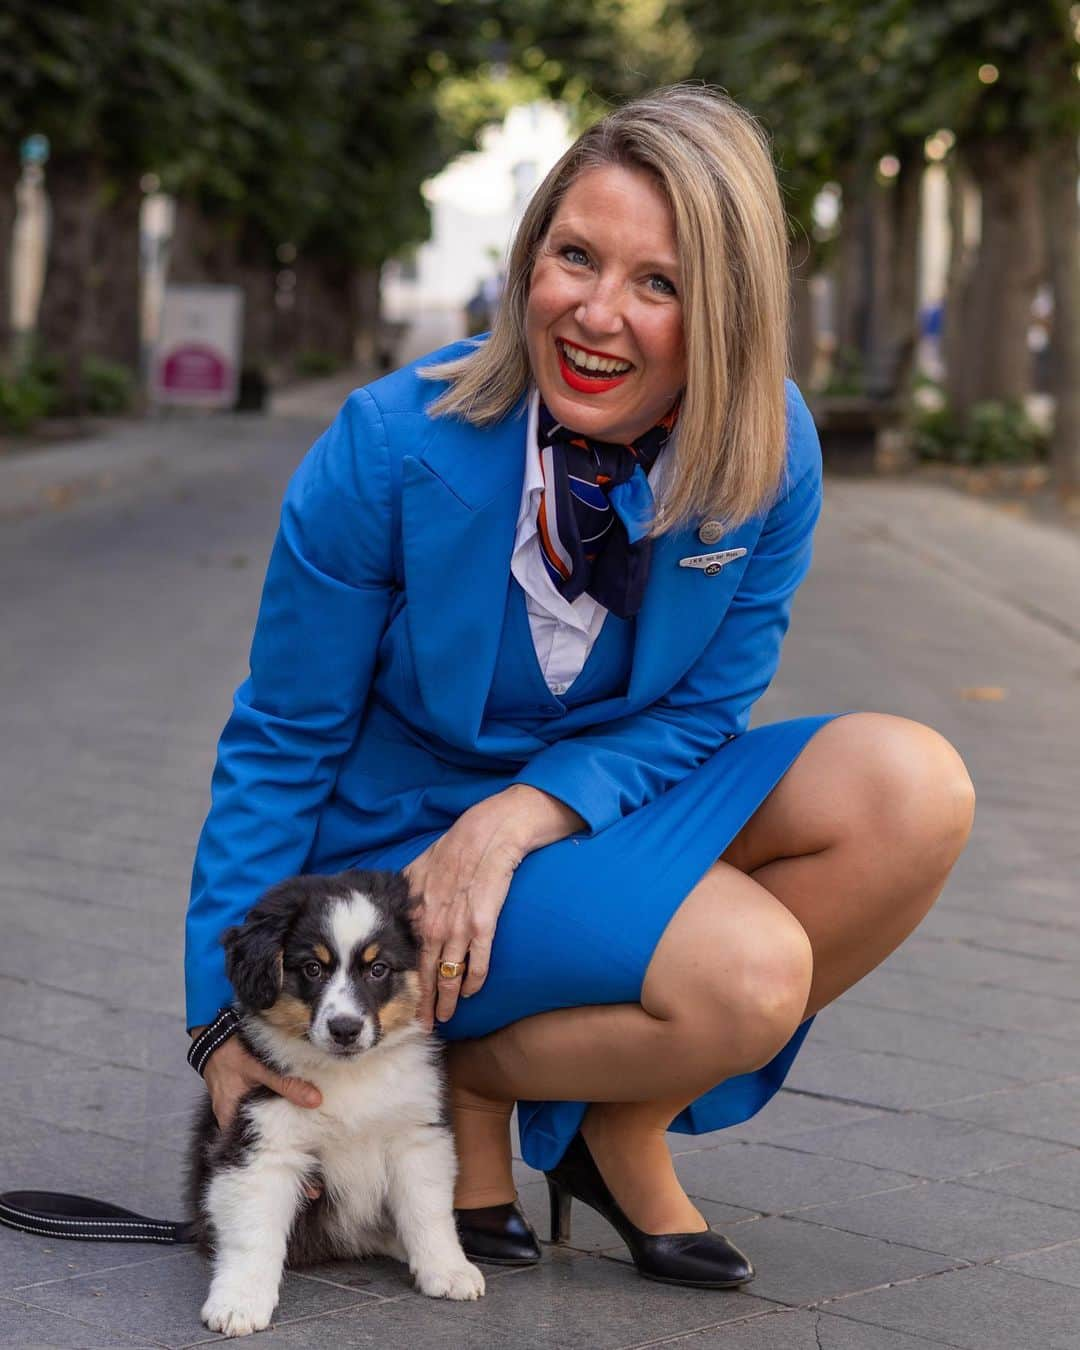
324, 969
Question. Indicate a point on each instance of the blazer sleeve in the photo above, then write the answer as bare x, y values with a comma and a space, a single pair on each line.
608, 771
324, 608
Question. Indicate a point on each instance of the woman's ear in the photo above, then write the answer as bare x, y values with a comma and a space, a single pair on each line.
253, 951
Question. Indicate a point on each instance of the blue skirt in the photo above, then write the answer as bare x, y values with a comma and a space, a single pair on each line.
584, 916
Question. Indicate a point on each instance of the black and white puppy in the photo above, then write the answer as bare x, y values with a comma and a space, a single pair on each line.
324, 970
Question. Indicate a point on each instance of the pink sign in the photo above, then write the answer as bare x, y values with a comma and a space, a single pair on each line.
195, 368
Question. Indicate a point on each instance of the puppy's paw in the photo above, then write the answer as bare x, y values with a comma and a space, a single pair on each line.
460, 1281
238, 1313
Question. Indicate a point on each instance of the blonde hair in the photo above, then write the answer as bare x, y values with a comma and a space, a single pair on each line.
712, 162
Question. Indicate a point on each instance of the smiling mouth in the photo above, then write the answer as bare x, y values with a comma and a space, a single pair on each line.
591, 365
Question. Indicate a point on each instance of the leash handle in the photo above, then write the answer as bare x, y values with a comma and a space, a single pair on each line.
55, 1214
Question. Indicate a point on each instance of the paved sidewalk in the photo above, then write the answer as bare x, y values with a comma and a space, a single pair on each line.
916, 1183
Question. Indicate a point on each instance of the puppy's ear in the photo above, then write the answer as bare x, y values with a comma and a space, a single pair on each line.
253, 951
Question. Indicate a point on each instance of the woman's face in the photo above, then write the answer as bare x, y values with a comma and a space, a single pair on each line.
605, 289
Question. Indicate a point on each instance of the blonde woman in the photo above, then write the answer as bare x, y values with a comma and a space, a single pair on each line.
522, 601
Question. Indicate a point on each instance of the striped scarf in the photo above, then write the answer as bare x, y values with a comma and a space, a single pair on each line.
595, 509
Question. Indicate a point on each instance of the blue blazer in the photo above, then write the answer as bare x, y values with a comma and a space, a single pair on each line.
362, 731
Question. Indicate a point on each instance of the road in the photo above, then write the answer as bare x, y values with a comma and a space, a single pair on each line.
918, 1180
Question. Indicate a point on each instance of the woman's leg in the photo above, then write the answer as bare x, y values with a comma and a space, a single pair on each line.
855, 843
732, 957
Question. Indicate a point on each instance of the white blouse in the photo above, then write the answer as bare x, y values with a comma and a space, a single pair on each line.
563, 632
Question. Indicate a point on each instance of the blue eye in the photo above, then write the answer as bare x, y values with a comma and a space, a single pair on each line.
664, 287
575, 255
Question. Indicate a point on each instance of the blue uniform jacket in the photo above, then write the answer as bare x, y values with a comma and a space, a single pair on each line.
362, 724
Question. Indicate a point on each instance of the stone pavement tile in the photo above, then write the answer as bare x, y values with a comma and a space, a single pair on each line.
169, 1133
378, 1276
980, 965
19, 1062
788, 1113
799, 1263
1043, 1110
921, 1145
870, 1078
796, 1329
121, 890
40, 1156
1020, 1055
145, 935
592, 1233
771, 1179
82, 968
1059, 1265
27, 1007
569, 1302
980, 930
948, 1217
25, 1326
122, 1037
1053, 1178
978, 1308
98, 1096
28, 1262
160, 1300
981, 1005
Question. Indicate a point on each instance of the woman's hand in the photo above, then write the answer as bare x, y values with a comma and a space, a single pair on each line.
462, 879
231, 1071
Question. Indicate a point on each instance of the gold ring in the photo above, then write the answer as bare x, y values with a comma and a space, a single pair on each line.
451, 970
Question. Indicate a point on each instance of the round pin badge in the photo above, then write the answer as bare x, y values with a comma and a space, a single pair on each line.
712, 569
710, 532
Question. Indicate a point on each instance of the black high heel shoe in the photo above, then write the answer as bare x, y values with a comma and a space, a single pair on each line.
705, 1260
498, 1234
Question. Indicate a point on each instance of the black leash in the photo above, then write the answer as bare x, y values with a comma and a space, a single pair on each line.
53, 1214
56, 1215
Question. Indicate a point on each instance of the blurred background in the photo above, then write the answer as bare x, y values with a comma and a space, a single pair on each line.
203, 200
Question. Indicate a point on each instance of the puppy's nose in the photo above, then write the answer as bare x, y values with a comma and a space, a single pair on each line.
344, 1029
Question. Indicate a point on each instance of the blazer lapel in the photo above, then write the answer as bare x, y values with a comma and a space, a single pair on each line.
459, 508
682, 608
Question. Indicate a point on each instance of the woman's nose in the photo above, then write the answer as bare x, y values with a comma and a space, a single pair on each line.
600, 310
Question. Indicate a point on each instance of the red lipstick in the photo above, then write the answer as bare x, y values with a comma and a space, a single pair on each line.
583, 384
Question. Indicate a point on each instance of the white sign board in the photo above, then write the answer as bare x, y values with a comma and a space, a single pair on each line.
197, 358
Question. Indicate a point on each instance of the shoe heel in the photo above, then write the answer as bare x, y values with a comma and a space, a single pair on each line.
560, 1211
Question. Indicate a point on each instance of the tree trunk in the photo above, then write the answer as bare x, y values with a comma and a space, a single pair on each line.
802, 327
963, 205
370, 347
895, 289
118, 320
1004, 276
202, 249
851, 272
1061, 219
322, 317
9, 176
69, 299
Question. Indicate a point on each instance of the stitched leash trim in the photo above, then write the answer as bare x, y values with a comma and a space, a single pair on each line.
224, 1025
74, 1216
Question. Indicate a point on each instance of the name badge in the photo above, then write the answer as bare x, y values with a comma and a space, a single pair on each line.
711, 563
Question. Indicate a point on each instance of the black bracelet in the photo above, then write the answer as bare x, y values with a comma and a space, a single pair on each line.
224, 1025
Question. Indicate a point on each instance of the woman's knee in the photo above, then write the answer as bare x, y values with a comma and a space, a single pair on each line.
907, 786
733, 980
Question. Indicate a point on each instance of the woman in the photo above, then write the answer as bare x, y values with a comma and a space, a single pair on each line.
521, 603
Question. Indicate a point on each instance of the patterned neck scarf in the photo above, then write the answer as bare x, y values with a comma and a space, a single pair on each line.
595, 509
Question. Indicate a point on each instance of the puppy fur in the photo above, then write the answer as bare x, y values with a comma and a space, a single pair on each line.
324, 969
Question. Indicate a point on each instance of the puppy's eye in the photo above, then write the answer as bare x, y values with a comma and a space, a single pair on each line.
378, 970
312, 969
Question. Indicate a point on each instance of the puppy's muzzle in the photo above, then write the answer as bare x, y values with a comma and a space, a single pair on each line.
345, 1031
